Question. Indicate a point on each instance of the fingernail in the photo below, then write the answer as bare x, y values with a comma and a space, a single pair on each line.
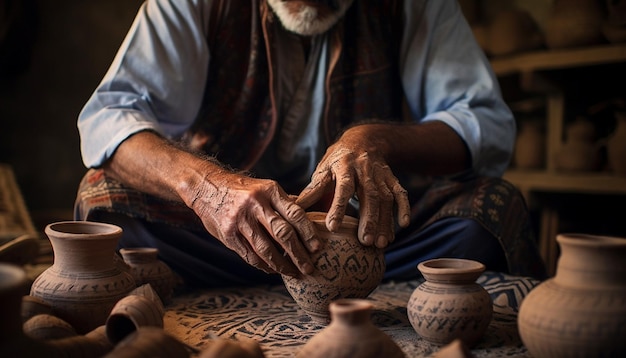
307, 268
381, 242
368, 239
334, 225
314, 245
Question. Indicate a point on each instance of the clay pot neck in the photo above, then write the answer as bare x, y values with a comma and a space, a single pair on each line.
451, 271
591, 261
83, 246
352, 312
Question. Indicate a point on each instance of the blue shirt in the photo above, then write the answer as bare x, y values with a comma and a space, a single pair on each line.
157, 81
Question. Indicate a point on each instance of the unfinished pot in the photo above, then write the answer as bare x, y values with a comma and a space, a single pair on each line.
350, 333
450, 304
344, 268
83, 284
581, 311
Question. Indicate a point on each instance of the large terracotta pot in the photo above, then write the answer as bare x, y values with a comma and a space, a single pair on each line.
581, 311
350, 333
83, 284
344, 268
450, 304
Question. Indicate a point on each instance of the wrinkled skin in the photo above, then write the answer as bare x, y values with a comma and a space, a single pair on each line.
353, 166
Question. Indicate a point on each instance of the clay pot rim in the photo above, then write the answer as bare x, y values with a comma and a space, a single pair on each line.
450, 266
590, 240
319, 217
11, 276
132, 250
84, 229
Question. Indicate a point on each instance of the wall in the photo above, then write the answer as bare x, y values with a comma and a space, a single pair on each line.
52, 60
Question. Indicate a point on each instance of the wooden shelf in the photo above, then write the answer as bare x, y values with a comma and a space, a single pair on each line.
586, 183
559, 59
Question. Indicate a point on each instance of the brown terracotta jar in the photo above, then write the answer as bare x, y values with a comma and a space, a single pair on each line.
350, 333
146, 267
344, 268
581, 311
450, 304
83, 284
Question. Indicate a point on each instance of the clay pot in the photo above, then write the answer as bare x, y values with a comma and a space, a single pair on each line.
45, 326
514, 31
456, 349
616, 146
149, 342
229, 348
573, 23
147, 268
450, 304
344, 268
581, 311
350, 333
132, 312
579, 152
530, 146
83, 284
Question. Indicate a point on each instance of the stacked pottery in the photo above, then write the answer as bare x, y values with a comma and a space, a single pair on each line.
579, 152
344, 268
450, 304
146, 268
83, 284
350, 333
581, 311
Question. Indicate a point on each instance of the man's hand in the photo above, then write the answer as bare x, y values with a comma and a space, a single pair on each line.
258, 220
354, 165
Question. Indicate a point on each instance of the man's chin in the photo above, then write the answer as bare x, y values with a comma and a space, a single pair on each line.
310, 17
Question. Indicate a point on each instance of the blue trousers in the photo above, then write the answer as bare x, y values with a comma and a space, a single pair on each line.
203, 261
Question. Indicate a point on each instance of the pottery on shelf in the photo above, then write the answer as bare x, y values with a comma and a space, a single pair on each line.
614, 28
450, 304
146, 267
573, 23
530, 146
344, 268
581, 311
579, 152
83, 284
514, 31
616, 145
350, 333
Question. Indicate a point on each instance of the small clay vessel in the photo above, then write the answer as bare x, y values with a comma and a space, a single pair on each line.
83, 284
230, 348
581, 311
132, 312
450, 304
45, 326
146, 267
149, 342
350, 333
344, 268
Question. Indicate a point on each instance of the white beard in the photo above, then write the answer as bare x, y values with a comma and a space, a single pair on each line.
308, 21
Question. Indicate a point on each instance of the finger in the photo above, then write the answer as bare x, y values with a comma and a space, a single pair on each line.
285, 235
344, 190
239, 244
369, 212
385, 218
296, 216
401, 197
265, 253
312, 193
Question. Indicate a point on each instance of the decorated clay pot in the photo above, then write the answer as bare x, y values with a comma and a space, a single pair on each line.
147, 268
83, 284
449, 304
581, 311
573, 23
350, 333
616, 146
344, 268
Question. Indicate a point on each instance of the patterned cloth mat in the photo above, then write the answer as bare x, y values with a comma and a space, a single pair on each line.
269, 315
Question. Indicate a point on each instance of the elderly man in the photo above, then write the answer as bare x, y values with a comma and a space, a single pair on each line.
220, 122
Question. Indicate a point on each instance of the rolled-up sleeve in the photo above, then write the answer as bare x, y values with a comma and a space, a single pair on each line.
448, 78
155, 82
